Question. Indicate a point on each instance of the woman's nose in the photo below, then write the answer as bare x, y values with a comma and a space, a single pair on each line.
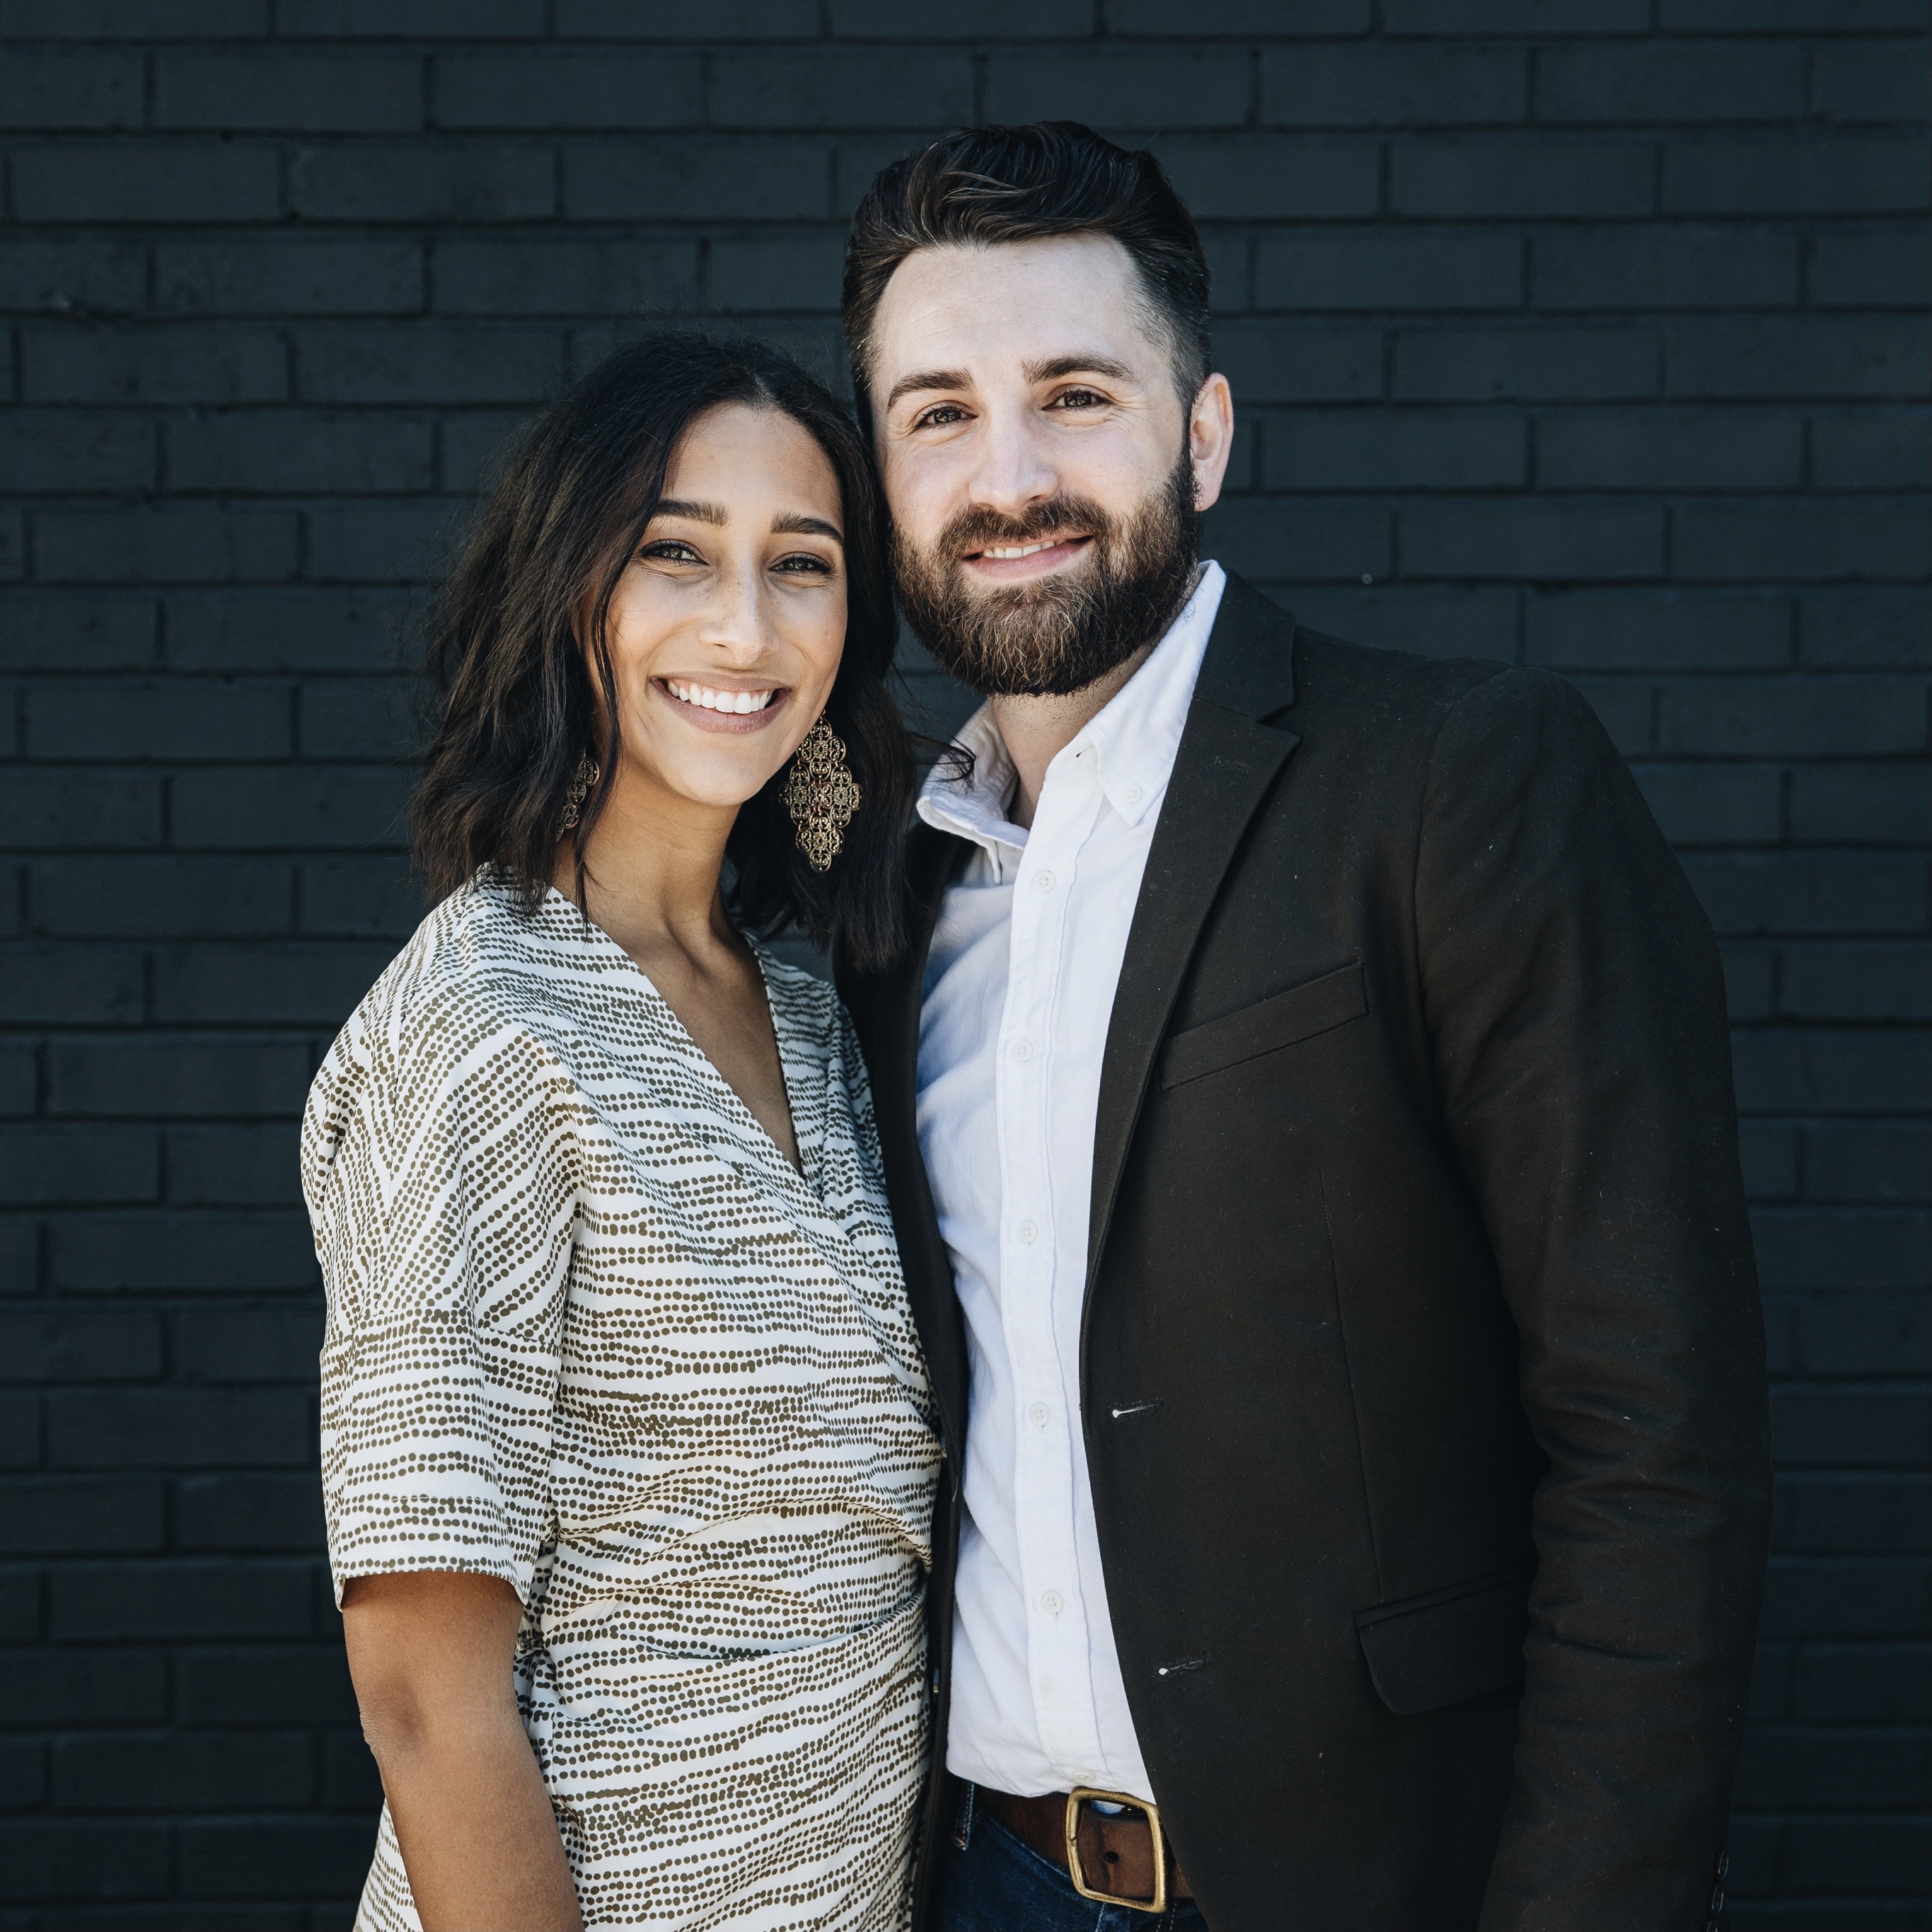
734, 619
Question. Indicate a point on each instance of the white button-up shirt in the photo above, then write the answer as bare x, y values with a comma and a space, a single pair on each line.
1019, 989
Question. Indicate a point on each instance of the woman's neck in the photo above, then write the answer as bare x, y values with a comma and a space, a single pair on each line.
653, 867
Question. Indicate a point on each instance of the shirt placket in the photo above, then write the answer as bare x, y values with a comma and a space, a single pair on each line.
1033, 1272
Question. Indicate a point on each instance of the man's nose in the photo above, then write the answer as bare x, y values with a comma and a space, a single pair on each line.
1013, 473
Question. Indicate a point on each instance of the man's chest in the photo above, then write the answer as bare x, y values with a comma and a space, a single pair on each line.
1024, 957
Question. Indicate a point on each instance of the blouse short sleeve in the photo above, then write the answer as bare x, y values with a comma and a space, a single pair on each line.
440, 1190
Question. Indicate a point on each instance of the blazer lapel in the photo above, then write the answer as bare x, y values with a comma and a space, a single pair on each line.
1227, 760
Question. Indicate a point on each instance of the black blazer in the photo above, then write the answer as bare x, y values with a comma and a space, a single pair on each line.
1422, 1374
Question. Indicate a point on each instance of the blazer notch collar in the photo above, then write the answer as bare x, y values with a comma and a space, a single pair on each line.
1249, 665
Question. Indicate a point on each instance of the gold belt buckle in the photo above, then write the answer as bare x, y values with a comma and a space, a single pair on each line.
1078, 1797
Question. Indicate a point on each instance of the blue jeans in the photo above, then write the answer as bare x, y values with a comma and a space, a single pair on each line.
989, 1881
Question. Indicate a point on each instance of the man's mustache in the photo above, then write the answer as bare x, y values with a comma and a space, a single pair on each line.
978, 528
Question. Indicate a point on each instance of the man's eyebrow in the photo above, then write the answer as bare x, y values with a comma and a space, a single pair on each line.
698, 513
1034, 372
928, 378
796, 523
1076, 365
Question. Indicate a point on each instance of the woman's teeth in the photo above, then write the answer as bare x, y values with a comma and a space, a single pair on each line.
719, 700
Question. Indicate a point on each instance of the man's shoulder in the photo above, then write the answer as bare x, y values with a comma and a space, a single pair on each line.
1339, 684
1305, 673
1376, 717
1331, 670
1401, 719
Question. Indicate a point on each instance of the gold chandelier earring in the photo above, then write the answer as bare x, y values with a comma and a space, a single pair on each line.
821, 795
586, 775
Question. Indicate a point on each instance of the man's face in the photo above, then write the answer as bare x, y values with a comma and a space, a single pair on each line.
1043, 472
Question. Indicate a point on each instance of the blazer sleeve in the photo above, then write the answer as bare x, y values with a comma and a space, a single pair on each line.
1575, 1005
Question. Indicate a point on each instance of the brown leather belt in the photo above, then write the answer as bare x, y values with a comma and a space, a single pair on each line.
1116, 1851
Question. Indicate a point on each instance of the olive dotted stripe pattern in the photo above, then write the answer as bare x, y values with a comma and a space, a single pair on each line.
589, 1331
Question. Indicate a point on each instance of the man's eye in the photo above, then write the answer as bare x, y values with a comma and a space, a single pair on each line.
941, 415
1079, 399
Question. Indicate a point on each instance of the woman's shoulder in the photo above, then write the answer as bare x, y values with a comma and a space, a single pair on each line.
470, 954
476, 969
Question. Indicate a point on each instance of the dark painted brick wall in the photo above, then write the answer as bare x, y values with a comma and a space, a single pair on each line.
1590, 334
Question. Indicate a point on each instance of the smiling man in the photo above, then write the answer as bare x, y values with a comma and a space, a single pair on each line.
1307, 1109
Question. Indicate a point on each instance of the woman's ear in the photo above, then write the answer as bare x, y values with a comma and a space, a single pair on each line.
590, 638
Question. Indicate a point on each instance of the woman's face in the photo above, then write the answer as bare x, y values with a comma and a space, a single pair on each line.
727, 627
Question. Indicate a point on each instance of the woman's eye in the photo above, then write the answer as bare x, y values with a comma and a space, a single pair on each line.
669, 550
803, 565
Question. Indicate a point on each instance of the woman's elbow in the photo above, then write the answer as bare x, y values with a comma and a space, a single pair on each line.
430, 1657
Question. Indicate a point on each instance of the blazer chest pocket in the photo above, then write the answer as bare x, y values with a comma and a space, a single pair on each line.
1314, 1006
1434, 1650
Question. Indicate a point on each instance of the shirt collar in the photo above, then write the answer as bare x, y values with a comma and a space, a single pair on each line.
1137, 733
1135, 737
974, 806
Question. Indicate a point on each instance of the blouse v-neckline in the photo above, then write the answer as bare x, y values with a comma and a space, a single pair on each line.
792, 1068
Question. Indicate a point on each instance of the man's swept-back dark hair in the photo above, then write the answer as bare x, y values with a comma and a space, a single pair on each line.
517, 646
980, 186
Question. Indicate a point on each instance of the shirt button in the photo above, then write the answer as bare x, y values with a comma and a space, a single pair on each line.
1027, 1231
1132, 794
1021, 1050
1039, 1415
1052, 1602
1042, 882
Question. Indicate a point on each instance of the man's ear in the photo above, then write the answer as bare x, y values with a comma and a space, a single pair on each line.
1210, 439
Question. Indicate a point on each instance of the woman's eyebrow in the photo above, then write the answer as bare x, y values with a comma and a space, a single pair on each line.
698, 513
796, 523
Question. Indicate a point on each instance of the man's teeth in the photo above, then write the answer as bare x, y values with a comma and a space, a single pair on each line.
719, 700
1006, 553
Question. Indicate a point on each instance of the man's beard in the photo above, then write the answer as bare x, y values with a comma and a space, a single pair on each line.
1059, 633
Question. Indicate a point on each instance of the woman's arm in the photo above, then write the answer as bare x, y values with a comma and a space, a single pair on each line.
430, 1652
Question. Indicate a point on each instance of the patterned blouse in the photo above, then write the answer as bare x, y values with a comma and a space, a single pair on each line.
589, 1331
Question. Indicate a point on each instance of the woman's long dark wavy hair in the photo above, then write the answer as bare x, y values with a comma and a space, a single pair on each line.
520, 707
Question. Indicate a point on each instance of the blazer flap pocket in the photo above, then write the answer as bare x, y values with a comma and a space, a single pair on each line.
1314, 1006
1451, 1644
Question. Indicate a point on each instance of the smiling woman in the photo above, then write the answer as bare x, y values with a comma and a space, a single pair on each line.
589, 543
627, 1444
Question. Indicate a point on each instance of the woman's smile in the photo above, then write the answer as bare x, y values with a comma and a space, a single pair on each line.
712, 705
